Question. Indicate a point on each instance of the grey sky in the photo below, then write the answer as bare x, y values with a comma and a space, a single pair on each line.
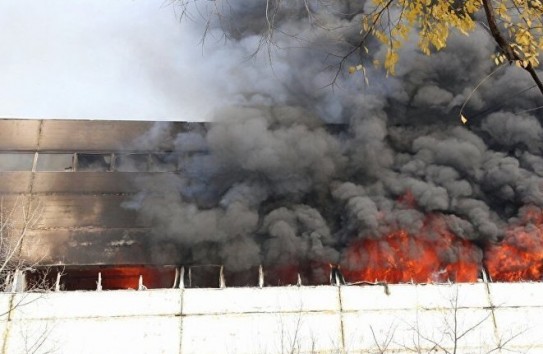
123, 59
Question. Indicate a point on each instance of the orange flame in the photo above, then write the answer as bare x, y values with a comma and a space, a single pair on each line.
520, 255
117, 277
433, 255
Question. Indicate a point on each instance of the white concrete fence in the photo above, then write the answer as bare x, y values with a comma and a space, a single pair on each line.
474, 318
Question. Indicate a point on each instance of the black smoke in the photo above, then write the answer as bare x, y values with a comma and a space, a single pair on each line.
308, 158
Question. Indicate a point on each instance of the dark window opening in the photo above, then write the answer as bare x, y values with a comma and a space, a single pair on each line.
245, 278
163, 163
142, 277
204, 276
93, 162
132, 162
41, 279
104, 277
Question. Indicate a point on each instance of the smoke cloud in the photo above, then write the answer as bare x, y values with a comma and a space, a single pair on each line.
308, 160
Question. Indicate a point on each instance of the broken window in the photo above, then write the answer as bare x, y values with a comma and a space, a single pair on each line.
102, 277
93, 162
16, 162
203, 276
132, 162
54, 162
163, 163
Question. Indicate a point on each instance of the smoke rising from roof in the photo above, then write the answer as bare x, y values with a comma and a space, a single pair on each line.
273, 182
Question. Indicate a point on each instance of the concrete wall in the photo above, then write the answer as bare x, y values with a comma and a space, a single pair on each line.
476, 318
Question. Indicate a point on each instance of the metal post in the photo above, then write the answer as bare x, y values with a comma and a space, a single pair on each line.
99, 282
112, 162
222, 283
260, 276
19, 281
57, 283
182, 278
140, 284
15, 281
8, 282
176, 278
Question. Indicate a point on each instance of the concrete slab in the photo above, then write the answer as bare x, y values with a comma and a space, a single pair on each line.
81, 304
5, 304
85, 182
262, 333
19, 134
90, 135
93, 246
516, 294
378, 297
273, 320
3, 330
265, 300
520, 328
436, 296
100, 211
416, 331
409, 296
15, 182
145, 335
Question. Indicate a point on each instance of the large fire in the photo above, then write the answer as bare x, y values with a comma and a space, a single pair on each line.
520, 255
438, 255
433, 255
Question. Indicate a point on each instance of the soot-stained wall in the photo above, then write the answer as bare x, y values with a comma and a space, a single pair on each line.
65, 169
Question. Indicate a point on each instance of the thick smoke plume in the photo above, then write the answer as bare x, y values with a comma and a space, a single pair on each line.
309, 162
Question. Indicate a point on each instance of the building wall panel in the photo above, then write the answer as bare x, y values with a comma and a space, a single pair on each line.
15, 182
85, 304
139, 335
5, 305
269, 300
99, 182
86, 246
521, 328
91, 135
516, 294
271, 320
84, 182
19, 134
459, 296
419, 330
262, 333
105, 211
378, 297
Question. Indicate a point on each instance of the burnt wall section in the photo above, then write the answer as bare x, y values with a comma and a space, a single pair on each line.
80, 174
89, 246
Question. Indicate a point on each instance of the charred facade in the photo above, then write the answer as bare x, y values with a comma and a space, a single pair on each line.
272, 190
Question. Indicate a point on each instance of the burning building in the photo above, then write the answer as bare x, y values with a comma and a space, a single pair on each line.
263, 200
404, 186
184, 207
